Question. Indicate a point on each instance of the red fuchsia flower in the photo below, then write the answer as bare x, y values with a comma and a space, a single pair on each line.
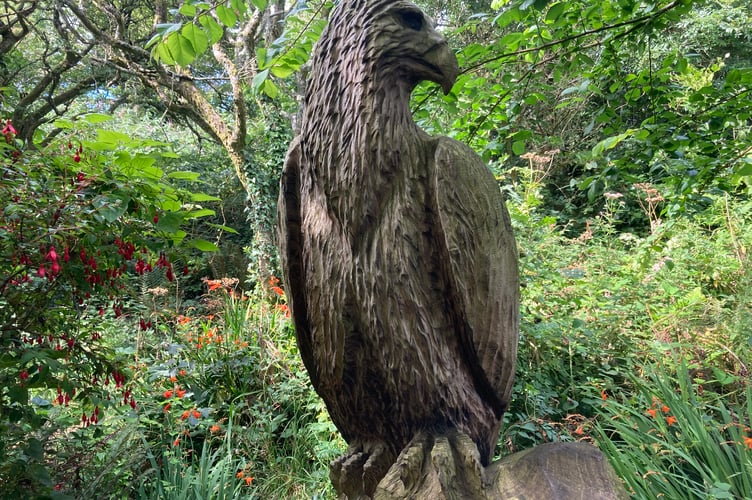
76, 157
24, 375
156, 218
9, 129
51, 255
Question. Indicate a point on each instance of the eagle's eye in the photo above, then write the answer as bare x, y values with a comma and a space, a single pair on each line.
411, 19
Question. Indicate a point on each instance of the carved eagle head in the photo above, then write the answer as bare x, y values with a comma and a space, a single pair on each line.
408, 49
379, 42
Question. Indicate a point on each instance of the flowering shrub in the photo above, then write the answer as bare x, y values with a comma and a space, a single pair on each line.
82, 218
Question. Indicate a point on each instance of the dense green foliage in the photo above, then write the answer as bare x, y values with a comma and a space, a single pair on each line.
145, 349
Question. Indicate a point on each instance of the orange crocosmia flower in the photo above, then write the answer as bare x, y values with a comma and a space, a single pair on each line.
213, 284
748, 442
240, 474
176, 442
183, 320
196, 414
214, 429
182, 373
665, 409
273, 281
604, 396
173, 378
166, 408
278, 291
209, 317
652, 412
248, 480
180, 393
185, 415
579, 430
167, 394
671, 420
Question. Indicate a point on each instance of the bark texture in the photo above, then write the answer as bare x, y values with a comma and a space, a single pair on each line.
447, 466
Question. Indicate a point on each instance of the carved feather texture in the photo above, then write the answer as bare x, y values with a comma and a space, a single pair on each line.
397, 251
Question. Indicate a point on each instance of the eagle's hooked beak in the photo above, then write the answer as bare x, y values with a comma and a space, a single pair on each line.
444, 64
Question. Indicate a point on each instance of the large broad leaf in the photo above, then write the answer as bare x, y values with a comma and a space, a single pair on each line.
111, 206
203, 245
181, 49
212, 27
199, 40
226, 15
97, 118
170, 222
184, 175
201, 212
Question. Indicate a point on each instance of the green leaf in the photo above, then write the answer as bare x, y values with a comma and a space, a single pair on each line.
62, 123
259, 4
203, 245
198, 197
221, 227
518, 147
213, 28
611, 142
555, 11
111, 206
745, 169
239, 6
202, 212
162, 53
196, 36
226, 15
282, 70
97, 117
259, 80
170, 222
181, 49
187, 10
270, 89
184, 175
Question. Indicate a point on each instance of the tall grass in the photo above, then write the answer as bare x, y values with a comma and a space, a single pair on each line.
666, 440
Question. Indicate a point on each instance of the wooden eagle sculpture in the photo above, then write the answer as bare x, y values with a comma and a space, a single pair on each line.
396, 248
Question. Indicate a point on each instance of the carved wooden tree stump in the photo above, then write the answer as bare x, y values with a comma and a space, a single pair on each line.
447, 466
